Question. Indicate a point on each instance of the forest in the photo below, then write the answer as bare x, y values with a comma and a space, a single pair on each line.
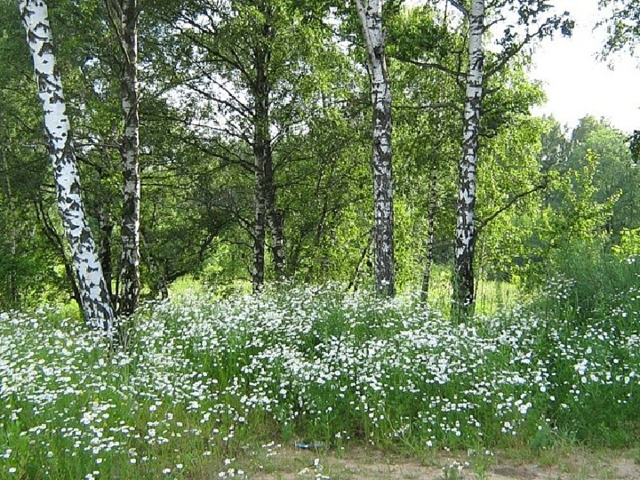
234, 222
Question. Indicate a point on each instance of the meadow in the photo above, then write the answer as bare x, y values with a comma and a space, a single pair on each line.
202, 384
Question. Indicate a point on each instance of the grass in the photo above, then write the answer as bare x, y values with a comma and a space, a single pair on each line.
492, 296
206, 385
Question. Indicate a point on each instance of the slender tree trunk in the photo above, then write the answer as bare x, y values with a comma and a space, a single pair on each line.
159, 279
276, 220
370, 14
354, 279
262, 160
94, 295
105, 251
106, 226
466, 232
266, 211
130, 152
431, 221
57, 242
259, 223
14, 293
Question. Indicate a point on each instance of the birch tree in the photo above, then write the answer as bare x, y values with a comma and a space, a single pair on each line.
127, 11
94, 295
530, 17
370, 16
265, 191
465, 225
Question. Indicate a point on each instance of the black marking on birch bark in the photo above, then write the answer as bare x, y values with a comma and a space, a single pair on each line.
466, 232
371, 21
130, 154
87, 271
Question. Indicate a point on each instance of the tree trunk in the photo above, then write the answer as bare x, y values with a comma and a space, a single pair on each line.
354, 279
259, 223
12, 227
262, 159
431, 221
466, 232
104, 252
370, 14
276, 220
57, 242
94, 295
266, 211
158, 277
130, 152
106, 226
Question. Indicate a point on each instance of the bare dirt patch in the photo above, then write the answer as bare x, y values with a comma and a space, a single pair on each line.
370, 464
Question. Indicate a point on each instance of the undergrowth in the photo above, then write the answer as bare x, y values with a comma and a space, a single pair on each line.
203, 380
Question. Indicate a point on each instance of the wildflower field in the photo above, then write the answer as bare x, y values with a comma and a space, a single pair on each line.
201, 381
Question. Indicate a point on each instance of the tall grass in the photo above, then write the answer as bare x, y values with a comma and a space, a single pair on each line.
491, 296
204, 380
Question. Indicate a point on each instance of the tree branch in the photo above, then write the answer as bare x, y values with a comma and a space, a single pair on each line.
458, 6
483, 223
458, 76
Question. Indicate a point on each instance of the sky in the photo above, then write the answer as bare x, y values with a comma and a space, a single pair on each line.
577, 83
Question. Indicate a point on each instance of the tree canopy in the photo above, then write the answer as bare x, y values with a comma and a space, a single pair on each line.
255, 145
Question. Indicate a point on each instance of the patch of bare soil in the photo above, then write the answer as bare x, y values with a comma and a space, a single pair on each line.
365, 464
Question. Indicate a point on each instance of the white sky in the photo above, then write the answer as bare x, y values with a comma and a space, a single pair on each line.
577, 84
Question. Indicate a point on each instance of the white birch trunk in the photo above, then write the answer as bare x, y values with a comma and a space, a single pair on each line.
130, 151
370, 15
466, 233
94, 295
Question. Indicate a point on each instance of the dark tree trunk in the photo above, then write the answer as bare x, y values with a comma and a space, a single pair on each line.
431, 221
262, 157
276, 223
275, 219
353, 284
12, 231
266, 209
105, 251
259, 223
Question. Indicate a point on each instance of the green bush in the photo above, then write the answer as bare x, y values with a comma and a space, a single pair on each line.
584, 281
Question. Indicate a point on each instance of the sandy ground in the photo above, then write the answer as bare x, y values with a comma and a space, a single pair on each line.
364, 464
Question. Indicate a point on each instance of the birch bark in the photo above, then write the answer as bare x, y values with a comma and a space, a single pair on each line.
466, 232
130, 153
370, 15
266, 211
94, 296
